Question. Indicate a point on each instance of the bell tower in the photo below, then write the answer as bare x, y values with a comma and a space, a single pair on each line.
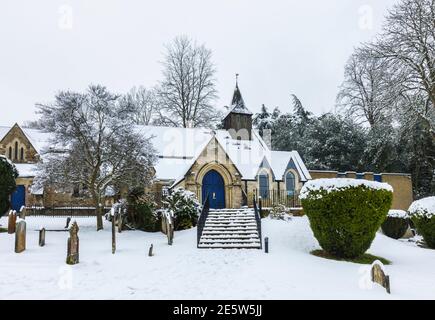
238, 121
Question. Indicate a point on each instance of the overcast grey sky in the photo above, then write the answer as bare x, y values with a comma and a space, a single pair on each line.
278, 47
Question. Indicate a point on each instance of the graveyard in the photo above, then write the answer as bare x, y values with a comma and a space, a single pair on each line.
181, 271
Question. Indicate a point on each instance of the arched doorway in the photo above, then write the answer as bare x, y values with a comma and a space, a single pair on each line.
18, 198
213, 185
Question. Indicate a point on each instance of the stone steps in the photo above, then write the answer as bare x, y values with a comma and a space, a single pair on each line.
230, 229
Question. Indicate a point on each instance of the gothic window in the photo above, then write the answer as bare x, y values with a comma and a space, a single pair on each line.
10, 153
22, 154
290, 183
263, 181
16, 151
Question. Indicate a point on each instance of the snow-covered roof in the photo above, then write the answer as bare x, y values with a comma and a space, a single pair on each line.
39, 139
26, 170
178, 149
238, 104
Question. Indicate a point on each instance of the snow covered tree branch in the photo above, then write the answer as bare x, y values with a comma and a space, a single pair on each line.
95, 145
188, 89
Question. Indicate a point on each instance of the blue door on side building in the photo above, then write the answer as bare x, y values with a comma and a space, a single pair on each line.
213, 186
18, 198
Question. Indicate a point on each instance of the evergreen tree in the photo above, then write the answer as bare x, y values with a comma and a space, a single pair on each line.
334, 143
263, 120
8, 174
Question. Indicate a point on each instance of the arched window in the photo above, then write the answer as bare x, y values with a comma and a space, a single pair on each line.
263, 181
22, 153
10, 153
290, 183
16, 151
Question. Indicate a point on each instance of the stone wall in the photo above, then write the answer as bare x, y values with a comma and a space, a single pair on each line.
401, 183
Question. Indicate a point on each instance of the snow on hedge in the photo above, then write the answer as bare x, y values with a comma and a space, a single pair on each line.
402, 214
339, 184
423, 207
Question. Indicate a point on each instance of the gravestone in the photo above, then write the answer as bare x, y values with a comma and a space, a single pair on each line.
23, 212
119, 220
42, 237
113, 232
12, 220
170, 229
73, 245
379, 276
266, 244
68, 220
20, 236
150, 251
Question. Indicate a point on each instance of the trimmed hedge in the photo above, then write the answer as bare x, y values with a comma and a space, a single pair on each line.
395, 227
422, 214
426, 227
345, 220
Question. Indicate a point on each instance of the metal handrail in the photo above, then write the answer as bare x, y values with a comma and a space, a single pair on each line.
258, 220
202, 219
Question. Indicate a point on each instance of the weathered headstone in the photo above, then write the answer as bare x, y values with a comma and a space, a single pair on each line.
68, 220
170, 229
12, 220
266, 244
42, 237
113, 231
119, 220
23, 212
20, 236
379, 276
150, 251
164, 225
73, 245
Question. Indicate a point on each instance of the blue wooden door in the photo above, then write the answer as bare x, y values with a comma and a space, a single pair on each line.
213, 186
18, 198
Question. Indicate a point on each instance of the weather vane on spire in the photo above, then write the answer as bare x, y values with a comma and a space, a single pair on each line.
237, 79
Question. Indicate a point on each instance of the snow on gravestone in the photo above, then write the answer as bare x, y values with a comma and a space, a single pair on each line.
379, 276
12, 220
73, 245
23, 212
20, 236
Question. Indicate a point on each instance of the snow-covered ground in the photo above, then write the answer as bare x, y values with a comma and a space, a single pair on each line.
182, 271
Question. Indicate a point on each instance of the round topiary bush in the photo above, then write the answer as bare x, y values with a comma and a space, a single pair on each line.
396, 224
345, 214
422, 213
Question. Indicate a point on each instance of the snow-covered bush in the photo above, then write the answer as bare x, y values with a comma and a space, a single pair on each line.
185, 208
143, 216
280, 212
422, 213
345, 214
396, 224
8, 174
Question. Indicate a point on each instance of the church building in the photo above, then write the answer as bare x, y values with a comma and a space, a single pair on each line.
231, 165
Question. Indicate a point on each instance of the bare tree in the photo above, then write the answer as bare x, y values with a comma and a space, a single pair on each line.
94, 145
368, 93
144, 103
408, 44
188, 89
